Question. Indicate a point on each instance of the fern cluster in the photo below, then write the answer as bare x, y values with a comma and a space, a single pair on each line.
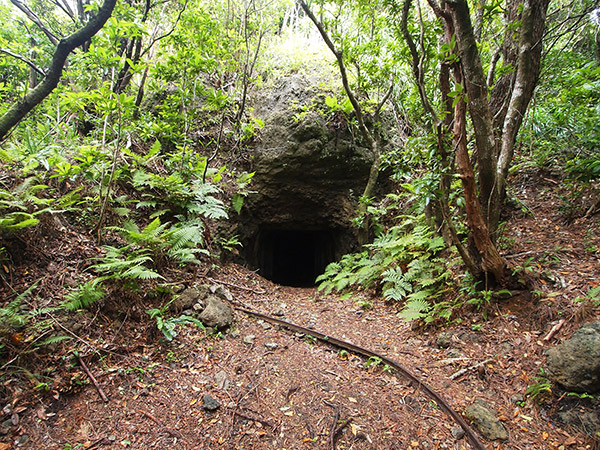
404, 261
21, 206
171, 194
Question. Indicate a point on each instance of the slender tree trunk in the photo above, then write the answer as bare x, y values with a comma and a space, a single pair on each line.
22, 107
533, 19
369, 139
491, 260
477, 91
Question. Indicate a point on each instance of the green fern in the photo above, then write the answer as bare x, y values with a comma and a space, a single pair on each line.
403, 260
12, 317
125, 264
52, 340
179, 197
415, 309
85, 296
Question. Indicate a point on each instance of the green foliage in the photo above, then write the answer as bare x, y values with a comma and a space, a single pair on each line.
85, 296
539, 389
21, 206
171, 194
167, 326
12, 317
373, 361
403, 261
149, 249
242, 182
593, 296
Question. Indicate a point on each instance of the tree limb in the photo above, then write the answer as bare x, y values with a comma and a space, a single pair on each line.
340, 61
23, 59
35, 19
22, 107
168, 33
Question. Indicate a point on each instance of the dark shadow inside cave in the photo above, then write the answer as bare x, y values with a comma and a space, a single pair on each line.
295, 257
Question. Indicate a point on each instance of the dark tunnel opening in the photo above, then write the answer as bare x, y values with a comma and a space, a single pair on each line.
295, 257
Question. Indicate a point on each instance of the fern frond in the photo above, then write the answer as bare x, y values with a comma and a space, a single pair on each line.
141, 273
85, 296
52, 340
414, 309
184, 236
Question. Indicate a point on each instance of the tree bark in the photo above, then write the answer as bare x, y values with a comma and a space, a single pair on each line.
533, 19
491, 260
35, 19
22, 107
479, 108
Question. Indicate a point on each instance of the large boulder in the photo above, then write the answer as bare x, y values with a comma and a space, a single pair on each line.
575, 364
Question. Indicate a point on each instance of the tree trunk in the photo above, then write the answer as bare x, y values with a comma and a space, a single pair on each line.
533, 19
372, 141
491, 260
479, 109
22, 107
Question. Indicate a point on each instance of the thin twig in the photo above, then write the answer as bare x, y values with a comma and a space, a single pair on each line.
237, 286
466, 369
173, 433
253, 419
25, 60
89, 374
336, 433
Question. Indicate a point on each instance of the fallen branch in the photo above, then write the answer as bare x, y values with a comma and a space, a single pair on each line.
444, 406
554, 330
173, 433
336, 433
243, 288
333, 424
89, 374
461, 372
264, 422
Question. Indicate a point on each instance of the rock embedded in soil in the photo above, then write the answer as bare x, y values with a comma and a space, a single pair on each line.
249, 339
271, 345
586, 421
575, 363
221, 380
188, 298
221, 292
209, 403
216, 314
486, 421
457, 433
443, 340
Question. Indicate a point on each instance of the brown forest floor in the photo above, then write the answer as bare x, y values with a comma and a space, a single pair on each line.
297, 394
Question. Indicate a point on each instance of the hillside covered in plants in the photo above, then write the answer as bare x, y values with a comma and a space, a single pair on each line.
278, 224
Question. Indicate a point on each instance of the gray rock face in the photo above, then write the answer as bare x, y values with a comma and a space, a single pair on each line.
216, 314
575, 364
486, 422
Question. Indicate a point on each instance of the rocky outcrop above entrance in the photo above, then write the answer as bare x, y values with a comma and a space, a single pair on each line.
308, 160
310, 170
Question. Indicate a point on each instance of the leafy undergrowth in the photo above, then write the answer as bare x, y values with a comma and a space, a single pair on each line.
278, 389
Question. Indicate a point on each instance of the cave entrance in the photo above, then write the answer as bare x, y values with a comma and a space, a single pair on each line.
295, 257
